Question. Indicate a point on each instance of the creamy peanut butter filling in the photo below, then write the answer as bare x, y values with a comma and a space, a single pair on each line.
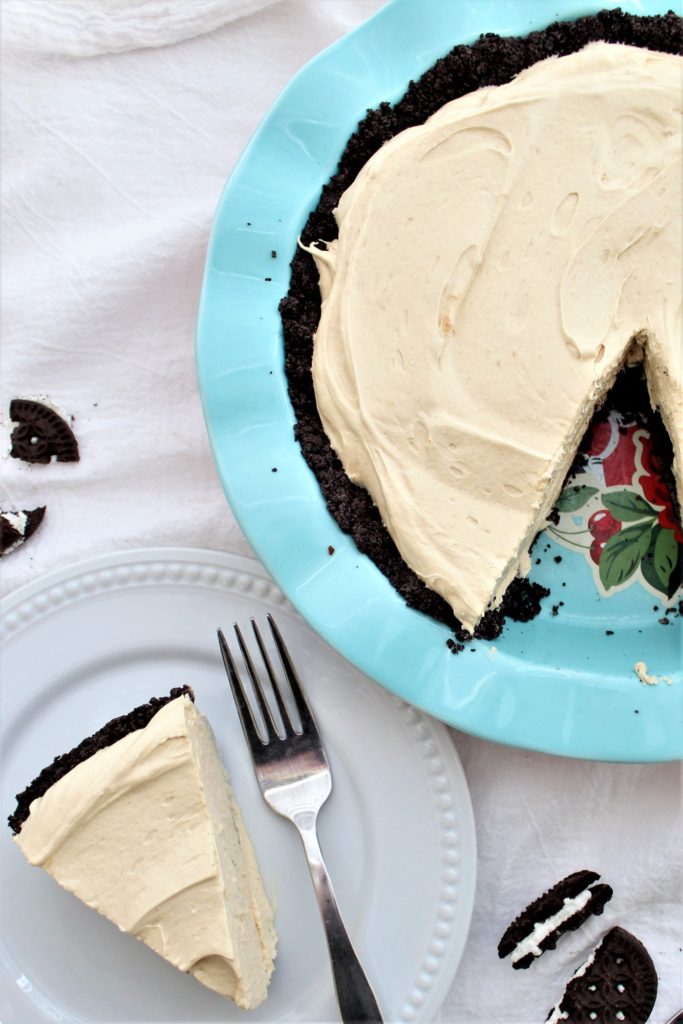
495, 268
148, 833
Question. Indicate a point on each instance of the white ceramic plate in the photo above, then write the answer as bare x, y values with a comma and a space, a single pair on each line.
91, 641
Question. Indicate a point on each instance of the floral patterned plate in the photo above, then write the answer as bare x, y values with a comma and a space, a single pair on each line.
565, 682
619, 513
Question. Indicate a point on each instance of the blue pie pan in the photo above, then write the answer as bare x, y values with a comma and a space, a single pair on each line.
560, 683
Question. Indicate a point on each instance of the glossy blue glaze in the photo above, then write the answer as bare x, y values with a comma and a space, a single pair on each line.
557, 684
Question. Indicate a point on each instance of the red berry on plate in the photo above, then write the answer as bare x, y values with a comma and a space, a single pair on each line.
596, 550
602, 525
655, 490
667, 519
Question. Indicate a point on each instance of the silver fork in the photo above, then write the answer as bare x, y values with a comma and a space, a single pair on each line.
295, 780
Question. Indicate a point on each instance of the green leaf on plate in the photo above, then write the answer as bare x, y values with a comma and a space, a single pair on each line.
574, 497
657, 568
647, 565
676, 578
622, 554
627, 507
666, 554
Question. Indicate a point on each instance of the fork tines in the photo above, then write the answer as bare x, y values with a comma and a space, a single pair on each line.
241, 700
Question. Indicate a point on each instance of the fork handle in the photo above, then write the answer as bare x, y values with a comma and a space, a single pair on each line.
357, 1002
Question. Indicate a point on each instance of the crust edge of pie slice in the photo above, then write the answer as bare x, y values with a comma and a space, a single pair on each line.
139, 822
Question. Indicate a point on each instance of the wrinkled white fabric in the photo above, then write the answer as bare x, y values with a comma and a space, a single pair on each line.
112, 166
539, 819
116, 143
82, 28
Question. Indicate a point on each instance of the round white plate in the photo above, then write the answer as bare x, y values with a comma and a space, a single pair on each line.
87, 643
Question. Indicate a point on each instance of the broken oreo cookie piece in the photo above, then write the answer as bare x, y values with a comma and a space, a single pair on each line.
561, 909
617, 984
40, 432
17, 527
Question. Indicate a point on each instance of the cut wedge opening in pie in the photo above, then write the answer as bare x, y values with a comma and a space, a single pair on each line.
139, 822
495, 268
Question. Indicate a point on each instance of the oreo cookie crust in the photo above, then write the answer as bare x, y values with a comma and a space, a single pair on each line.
617, 984
17, 527
563, 908
40, 434
492, 60
109, 734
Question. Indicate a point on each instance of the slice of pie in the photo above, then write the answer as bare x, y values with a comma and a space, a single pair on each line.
495, 269
140, 823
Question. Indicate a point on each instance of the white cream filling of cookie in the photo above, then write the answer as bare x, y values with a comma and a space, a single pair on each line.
541, 930
19, 521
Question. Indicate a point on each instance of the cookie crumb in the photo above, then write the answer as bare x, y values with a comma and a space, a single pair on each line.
650, 678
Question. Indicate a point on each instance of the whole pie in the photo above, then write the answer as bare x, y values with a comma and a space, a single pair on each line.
490, 273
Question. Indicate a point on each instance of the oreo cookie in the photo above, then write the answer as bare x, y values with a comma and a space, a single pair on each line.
617, 984
17, 527
41, 432
563, 908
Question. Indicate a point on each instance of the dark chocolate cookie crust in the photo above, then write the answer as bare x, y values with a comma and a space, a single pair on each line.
492, 60
114, 730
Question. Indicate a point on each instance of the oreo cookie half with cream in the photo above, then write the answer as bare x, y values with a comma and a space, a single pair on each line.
561, 909
17, 527
41, 432
617, 984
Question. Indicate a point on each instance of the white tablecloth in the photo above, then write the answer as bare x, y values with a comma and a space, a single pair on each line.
121, 121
